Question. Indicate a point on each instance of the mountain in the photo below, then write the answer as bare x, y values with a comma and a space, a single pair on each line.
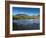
21, 15
24, 16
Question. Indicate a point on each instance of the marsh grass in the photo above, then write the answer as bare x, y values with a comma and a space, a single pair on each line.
25, 17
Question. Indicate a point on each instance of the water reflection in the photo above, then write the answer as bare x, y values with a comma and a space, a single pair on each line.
26, 24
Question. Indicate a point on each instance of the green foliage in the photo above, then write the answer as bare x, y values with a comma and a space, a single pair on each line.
25, 17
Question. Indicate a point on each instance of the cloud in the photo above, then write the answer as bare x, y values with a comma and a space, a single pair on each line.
30, 14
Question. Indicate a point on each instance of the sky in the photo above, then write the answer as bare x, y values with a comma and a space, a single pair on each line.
28, 11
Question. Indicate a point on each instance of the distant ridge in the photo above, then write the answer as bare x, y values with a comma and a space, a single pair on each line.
21, 15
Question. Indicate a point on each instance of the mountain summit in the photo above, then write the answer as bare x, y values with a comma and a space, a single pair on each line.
21, 15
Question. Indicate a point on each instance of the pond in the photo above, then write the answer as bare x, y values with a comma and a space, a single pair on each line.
26, 24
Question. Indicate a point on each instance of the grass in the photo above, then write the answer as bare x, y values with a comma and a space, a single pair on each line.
25, 17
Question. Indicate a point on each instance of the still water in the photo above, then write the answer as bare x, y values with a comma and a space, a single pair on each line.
26, 24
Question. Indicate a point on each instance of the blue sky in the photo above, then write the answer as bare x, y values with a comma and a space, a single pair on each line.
28, 11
